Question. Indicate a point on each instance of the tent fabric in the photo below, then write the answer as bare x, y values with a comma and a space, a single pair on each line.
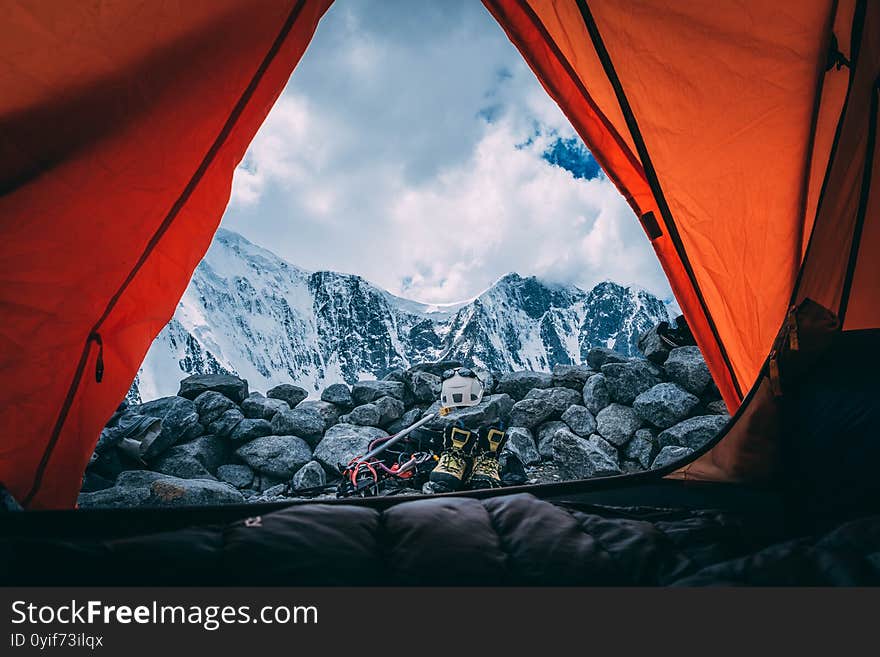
120, 127
743, 135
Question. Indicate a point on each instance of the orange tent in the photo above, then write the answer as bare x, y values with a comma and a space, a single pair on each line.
742, 134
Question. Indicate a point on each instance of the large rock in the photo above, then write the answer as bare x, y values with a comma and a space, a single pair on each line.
236, 474
595, 394
276, 456
328, 412
669, 455
521, 442
654, 348
572, 376
343, 442
518, 384
311, 475
717, 407
583, 458
364, 392
180, 423
262, 408
580, 420
141, 488
389, 409
337, 393
530, 413
306, 423
599, 356
545, 434
617, 423
558, 398
365, 415
425, 386
694, 432
226, 384
686, 367
288, 393
248, 429
226, 423
641, 448
626, 381
211, 405
493, 409
665, 404
409, 418
197, 459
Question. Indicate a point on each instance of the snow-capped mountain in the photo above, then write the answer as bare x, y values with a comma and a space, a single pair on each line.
249, 312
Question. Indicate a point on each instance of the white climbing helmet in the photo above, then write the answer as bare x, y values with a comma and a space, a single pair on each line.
461, 387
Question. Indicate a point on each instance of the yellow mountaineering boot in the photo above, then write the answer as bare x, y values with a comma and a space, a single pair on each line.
455, 462
487, 472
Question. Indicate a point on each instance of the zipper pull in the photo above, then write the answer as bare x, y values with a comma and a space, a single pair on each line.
99, 363
793, 341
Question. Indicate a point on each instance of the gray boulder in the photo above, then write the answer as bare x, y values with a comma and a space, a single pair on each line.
343, 442
366, 415
583, 458
258, 407
288, 393
339, 394
211, 405
558, 398
409, 418
389, 410
491, 410
310, 475
572, 376
653, 346
364, 392
518, 384
521, 442
305, 423
180, 423
595, 394
717, 407
693, 432
686, 367
580, 420
626, 381
248, 429
142, 488
226, 384
618, 423
599, 356
395, 374
197, 459
545, 434
425, 386
237, 475
665, 404
669, 455
531, 412
224, 424
641, 448
276, 456
328, 412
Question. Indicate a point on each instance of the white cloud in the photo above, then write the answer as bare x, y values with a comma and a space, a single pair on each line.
378, 160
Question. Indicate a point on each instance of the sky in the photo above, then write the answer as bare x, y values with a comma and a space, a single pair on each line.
414, 147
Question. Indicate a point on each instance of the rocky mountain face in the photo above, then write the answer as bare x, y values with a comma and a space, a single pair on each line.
248, 312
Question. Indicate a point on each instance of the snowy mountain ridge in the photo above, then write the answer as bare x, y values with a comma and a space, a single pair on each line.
249, 312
